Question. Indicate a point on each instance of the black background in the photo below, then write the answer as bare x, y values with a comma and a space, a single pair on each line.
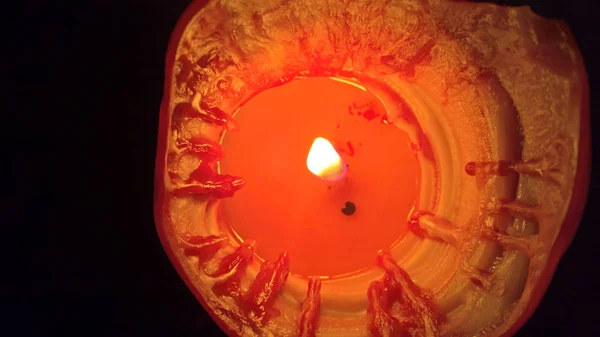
81, 99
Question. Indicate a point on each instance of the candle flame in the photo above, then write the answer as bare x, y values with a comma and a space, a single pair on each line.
324, 162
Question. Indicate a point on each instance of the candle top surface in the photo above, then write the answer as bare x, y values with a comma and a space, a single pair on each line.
331, 227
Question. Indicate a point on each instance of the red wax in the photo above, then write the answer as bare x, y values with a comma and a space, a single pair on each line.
286, 208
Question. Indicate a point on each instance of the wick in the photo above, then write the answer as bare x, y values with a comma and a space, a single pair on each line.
349, 209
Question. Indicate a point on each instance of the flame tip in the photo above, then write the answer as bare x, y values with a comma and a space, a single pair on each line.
324, 161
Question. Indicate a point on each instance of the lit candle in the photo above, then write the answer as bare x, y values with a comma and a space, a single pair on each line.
431, 156
324, 161
311, 213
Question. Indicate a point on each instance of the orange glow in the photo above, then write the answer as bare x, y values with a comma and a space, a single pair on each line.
324, 161
285, 207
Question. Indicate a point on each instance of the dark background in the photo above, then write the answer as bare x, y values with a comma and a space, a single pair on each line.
82, 258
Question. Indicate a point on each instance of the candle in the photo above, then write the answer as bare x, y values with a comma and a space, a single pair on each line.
313, 216
370, 168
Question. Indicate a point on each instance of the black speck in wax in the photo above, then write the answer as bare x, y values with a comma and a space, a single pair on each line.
349, 209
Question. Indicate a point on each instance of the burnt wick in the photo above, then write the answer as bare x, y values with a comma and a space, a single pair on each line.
349, 209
